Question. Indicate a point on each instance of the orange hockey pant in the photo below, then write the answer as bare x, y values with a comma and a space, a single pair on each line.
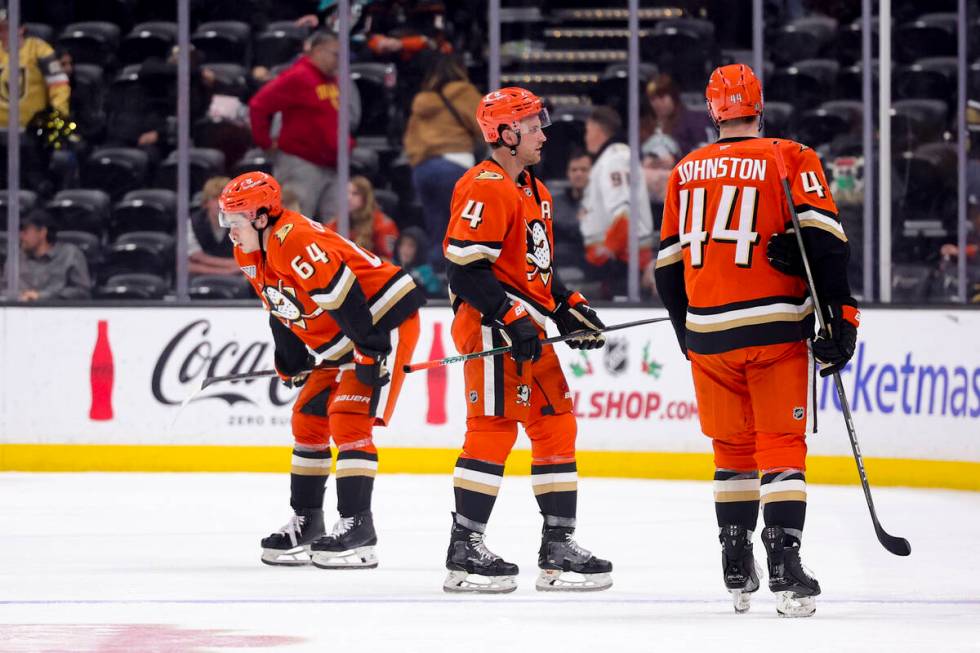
757, 405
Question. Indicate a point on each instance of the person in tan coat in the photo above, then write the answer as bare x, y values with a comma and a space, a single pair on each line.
441, 142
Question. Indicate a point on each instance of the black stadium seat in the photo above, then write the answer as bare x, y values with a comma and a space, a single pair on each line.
230, 79
116, 170
80, 209
803, 38
213, 286
88, 95
933, 77
254, 159
377, 97
133, 286
848, 48
91, 42
28, 200
279, 43
804, 84
829, 120
917, 121
223, 41
89, 243
151, 252
778, 119
42, 31
204, 164
685, 48
153, 39
613, 86
148, 209
931, 35
566, 132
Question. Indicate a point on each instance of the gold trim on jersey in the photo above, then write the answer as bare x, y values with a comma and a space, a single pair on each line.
341, 287
469, 253
816, 220
779, 312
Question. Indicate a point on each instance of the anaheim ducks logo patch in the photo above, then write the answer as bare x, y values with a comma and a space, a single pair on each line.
283, 303
489, 174
538, 252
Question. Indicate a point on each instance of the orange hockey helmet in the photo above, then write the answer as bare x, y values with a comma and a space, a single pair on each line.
506, 108
249, 194
733, 92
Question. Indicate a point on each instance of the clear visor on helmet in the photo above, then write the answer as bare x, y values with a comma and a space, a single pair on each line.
535, 122
229, 220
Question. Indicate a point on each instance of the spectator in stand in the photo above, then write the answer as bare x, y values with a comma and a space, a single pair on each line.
49, 270
370, 228
410, 249
668, 130
570, 250
308, 97
44, 84
440, 140
209, 250
606, 209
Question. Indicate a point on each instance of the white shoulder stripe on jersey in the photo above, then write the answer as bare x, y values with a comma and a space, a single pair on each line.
470, 253
811, 218
333, 299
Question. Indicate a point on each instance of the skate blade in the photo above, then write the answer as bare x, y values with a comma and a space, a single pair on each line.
362, 557
790, 605
296, 557
742, 597
460, 582
556, 580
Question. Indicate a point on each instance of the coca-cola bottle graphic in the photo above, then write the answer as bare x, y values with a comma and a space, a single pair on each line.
101, 375
436, 380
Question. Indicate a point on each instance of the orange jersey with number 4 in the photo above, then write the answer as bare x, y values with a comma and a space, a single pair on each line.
723, 203
496, 220
313, 279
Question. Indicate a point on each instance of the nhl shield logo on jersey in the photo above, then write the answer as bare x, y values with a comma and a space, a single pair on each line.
538, 251
798, 413
474, 395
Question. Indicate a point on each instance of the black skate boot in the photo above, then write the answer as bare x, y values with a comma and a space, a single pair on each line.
290, 545
350, 545
475, 568
739, 565
567, 567
794, 586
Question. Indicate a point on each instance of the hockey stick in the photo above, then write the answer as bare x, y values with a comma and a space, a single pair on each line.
896, 545
496, 351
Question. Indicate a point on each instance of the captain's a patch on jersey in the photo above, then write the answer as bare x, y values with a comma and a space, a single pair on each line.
283, 232
489, 174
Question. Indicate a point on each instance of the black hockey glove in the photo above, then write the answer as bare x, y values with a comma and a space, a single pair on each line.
574, 314
294, 378
834, 351
783, 253
520, 329
370, 366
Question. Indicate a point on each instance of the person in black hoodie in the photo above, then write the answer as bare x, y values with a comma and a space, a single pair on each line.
209, 250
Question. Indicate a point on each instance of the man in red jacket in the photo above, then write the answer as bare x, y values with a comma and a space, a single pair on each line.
308, 97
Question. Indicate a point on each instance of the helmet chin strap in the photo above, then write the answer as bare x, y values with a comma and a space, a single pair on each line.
269, 221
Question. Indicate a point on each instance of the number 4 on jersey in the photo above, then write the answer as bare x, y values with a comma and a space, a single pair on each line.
474, 213
692, 205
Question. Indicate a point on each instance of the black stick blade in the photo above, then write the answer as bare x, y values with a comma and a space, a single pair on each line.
895, 545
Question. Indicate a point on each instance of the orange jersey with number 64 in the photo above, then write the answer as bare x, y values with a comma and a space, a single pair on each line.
723, 203
307, 275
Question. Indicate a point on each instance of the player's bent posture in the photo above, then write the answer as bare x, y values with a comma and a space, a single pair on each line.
731, 276
504, 287
333, 304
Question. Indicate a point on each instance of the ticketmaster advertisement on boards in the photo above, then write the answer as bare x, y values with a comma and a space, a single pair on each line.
913, 384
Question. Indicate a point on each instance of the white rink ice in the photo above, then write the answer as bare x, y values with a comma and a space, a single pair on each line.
170, 562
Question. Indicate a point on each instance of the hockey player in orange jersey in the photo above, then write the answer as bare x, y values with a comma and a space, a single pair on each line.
731, 276
504, 287
334, 304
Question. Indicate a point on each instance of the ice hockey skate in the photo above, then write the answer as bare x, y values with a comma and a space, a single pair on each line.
567, 567
350, 545
290, 545
794, 586
475, 568
738, 565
